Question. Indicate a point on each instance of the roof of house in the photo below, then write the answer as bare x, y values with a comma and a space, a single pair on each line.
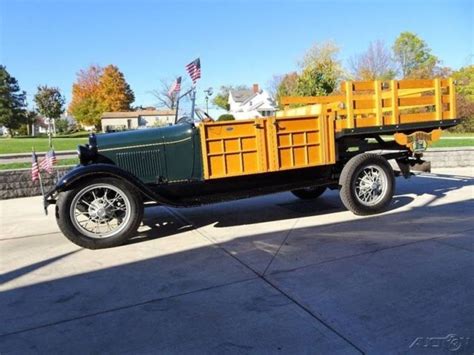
242, 95
136, 114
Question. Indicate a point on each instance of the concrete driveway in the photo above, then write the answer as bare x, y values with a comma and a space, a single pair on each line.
265, 275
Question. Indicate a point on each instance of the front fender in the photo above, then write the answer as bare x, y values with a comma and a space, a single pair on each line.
86, 172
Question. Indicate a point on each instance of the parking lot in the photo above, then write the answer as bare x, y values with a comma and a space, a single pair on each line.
262, 275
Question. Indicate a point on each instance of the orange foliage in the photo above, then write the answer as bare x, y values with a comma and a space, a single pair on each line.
97, 90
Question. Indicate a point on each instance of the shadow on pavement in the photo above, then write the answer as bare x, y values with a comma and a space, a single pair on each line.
78, 304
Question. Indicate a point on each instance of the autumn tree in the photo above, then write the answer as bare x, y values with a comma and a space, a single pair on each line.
375, 63
114, 92
414, 56
85, 105
12, 101
98, 90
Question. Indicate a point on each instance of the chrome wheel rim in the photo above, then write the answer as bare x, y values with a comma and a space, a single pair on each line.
371, 185
100, 211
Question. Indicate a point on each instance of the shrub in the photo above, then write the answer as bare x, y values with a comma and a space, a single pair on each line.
226, 117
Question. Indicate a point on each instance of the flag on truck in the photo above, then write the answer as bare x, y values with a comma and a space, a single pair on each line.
194, 70
175, 88
34, 167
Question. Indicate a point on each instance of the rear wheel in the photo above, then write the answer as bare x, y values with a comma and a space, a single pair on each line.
309, 193
367, 184
100, 213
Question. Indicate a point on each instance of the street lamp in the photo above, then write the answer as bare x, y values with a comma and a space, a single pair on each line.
208, 92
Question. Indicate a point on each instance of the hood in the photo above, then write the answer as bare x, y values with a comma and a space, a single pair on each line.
142, 138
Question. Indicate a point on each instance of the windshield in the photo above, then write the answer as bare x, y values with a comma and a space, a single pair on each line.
199, 116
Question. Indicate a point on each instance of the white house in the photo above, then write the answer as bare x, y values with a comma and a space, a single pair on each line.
119, 121
251, 103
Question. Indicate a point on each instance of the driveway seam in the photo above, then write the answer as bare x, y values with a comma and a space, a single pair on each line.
125, 307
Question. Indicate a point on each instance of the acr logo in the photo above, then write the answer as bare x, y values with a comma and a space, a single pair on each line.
450, 342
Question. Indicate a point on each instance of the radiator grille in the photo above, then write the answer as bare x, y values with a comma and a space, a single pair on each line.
142, 163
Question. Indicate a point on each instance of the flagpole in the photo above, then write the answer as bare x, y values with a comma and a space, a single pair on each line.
39, 173
193, 101
177, 108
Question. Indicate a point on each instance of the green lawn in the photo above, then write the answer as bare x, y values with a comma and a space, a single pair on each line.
453, 143
13, 166
24, 145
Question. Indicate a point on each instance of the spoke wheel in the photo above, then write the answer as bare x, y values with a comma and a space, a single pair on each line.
101, 213
367, 184
370, 185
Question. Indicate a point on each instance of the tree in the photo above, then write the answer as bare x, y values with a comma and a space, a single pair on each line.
286, 85
114, 92
226, 117
97, 90
465, 98
414, 56
85, 105
31, 117
49, 101
221, 99
375, 63
12, 101
62, 125
162, 94
321, 70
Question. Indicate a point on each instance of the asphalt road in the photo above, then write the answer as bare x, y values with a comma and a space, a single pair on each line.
265, 275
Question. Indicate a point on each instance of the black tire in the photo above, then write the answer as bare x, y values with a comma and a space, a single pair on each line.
350, 182
309, 193
132, 200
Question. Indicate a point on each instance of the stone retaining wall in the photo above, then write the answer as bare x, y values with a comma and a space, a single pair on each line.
450, 157
17, 183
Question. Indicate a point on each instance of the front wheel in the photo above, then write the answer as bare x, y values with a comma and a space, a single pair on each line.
101, 213
367, 184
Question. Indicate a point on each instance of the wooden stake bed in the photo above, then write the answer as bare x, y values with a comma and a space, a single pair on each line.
304, 136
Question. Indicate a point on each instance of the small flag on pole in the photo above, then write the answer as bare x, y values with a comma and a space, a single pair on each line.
194, 70
176, 87
48, 161
35, 173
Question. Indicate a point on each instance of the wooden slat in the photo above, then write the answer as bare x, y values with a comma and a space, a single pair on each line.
363, 85
311, 100
363, 104
415, 84
378, 102
415, 101
438, 103
417, 117
349, 105
452, 99
446, 99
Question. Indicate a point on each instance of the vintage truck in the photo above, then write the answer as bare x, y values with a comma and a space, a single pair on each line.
343, 141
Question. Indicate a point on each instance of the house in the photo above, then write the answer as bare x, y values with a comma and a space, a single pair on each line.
251, 103
120, 121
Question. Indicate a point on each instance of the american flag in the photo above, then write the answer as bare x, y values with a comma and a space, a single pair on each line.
35, 173
176, 87
194, 70
48, 161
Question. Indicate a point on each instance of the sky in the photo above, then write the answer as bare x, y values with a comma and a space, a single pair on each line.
239, 42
